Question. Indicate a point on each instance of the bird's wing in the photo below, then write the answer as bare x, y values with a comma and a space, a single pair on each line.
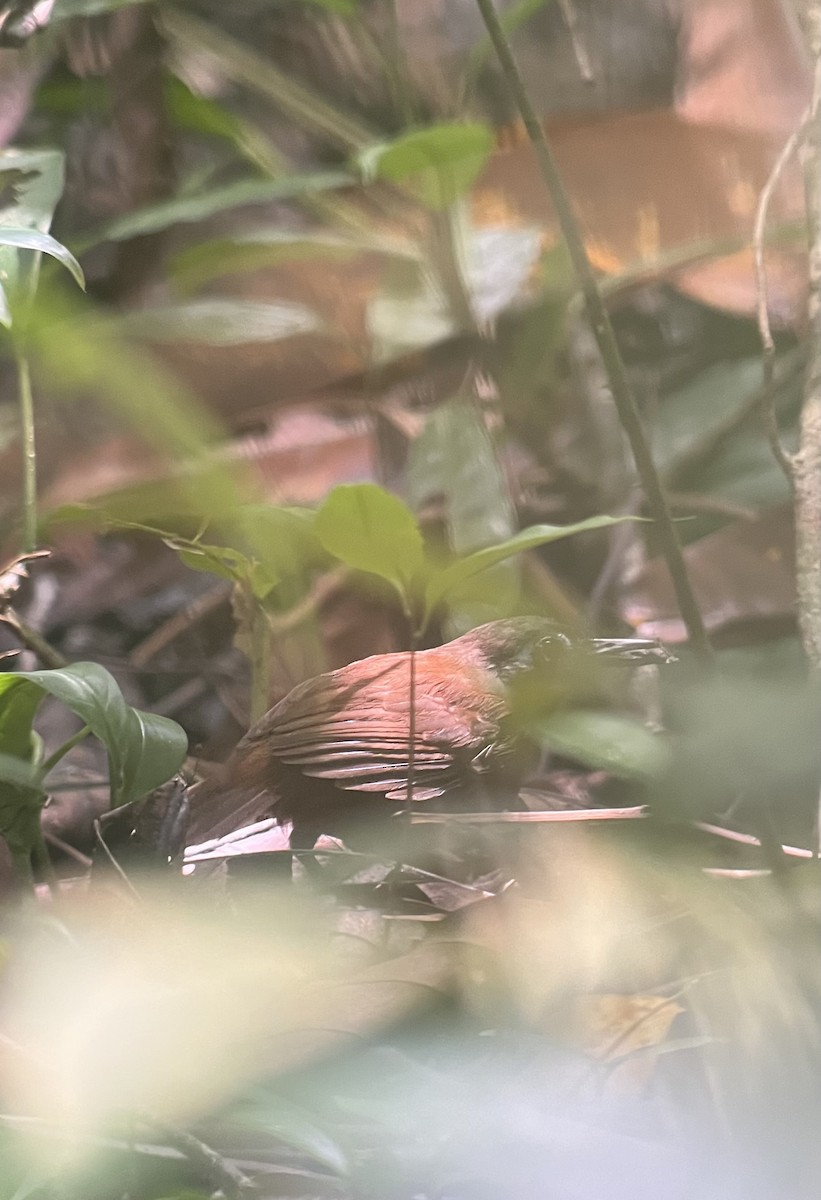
354, 728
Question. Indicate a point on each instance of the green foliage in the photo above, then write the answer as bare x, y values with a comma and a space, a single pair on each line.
370, 530
31, 183
437, 164
603, 741
447, 580
455, 459
144, 750
199, 205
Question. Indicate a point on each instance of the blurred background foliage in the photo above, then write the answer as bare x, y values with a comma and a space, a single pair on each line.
317, 253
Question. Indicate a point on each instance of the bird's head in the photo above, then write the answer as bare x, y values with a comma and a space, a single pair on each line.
515, 645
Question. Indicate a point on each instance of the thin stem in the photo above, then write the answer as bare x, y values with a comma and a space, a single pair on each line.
762, 298
603, 332
806, 462
29, 452
42, 864
412, 722
61, 751
31, 639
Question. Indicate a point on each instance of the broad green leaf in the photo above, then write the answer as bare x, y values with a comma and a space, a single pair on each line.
94, 696
200, 205
216, 321
31, 183
370, 530
741, 467
21, 797
155, 750
19, 701
454, 457
20, 809
446, 580
32, 239
603, 741
437, 164
18, 771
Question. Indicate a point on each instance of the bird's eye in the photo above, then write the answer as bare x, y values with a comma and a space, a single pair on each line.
555, 641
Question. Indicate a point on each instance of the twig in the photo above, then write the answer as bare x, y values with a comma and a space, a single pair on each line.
200, 608
51, 839
762, 298
571, 20
98, 834
221, 1173
603, 331
747, 839
31, 639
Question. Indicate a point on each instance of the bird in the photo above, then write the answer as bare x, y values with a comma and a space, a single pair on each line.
344, 751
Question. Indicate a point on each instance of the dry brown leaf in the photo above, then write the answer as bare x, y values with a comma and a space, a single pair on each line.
743, 573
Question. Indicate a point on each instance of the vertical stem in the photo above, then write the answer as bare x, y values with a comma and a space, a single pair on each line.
412, 723
29, 452
806, 463
603, 331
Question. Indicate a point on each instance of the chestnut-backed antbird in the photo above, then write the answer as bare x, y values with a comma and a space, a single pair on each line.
334, 755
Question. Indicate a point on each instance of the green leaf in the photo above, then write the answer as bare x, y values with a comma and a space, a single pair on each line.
449, 578
215, 321
31, 183
130, 737
19, 701
455, 457
155, 750
21, 796
603, 741
741, 467
437, 164
32, 239
370, 530
18, 771
200, 205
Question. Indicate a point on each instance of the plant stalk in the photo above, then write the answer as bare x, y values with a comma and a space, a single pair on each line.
603, 332
806, 462
29, 452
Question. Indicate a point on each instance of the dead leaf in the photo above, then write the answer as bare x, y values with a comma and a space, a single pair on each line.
742, 573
